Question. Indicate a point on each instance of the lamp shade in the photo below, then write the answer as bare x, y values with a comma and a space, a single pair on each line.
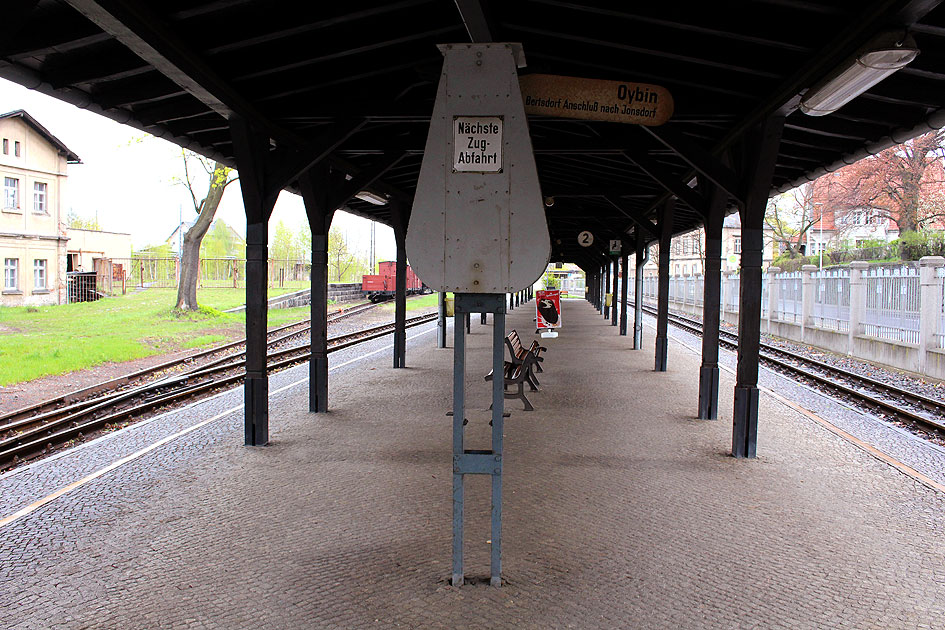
858, 75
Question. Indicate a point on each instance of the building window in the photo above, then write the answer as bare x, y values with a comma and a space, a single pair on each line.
685, 270
10, 274
39, 274
6, 147
738, 244
16, 148
11, 192
39, 197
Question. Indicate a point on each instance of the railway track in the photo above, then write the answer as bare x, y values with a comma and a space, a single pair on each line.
29, 435
86, 396
916, 409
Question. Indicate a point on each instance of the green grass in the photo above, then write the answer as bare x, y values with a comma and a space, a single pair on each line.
41, 341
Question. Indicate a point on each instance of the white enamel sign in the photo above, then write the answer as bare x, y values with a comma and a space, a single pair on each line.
477, 144
586, 239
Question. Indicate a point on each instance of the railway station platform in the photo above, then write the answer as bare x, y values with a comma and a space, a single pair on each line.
621, 510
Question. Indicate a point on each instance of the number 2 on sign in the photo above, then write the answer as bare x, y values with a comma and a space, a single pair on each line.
585, 239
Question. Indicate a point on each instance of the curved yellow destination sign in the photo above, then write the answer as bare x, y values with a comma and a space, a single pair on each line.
596, 99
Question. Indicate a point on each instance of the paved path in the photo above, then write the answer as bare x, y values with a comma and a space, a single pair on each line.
622, 511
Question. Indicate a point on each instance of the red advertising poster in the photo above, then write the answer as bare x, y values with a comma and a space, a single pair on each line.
548, 305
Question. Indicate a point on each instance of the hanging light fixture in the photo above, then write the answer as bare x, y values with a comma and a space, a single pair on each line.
371, 198
881, 57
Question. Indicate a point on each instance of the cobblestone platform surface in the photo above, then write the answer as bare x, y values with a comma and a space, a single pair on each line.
621, 511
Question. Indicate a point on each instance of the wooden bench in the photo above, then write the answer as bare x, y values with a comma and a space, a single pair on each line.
514, 375
529, 357
521, 368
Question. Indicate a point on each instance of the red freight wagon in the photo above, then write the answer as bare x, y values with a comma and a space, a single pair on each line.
382, 286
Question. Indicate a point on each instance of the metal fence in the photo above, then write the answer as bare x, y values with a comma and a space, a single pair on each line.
790, 297
892, 303
119, 275
831, 307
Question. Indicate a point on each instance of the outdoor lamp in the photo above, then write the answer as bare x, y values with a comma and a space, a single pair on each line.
881, 57
371, 198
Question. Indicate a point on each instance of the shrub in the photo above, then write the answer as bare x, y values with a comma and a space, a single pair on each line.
915, 245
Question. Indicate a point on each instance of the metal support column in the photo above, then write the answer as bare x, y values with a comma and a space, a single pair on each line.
711, 309
641, 257
761, 153
478, 462
251, 149
662, 306
613, 292
399, 219
624, 293
511, 302
441, 320
607, 272
482, 319
316, 189
518, 298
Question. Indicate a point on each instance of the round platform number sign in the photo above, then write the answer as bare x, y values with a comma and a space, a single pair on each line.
586, 239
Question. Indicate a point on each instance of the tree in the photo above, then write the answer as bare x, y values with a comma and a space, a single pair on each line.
341, 260
221, 176
221, 241
75, 221
905, 184
791, 217
284, 245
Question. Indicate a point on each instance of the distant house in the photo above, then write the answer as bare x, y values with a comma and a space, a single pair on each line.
853, 228
221, 240
87, 247
33, 238
687, 252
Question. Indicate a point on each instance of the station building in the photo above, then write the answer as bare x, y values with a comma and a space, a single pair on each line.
33, 239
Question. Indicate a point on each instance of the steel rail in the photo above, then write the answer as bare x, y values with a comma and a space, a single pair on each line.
79, 399
56, 432
802, 366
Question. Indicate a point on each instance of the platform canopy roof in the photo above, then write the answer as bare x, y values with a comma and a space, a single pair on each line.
357, 79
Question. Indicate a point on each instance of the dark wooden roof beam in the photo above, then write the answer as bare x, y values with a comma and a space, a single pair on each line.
138, 27
667, 180
701, 160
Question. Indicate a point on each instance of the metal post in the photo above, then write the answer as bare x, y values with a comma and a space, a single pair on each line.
607, 290
625, 267
662, 306
712, 287
399, 219
459, 415
638, 292
441, 320
466, 318
315, 187
498, 420
613, 293
762, 150
478, 462
256, 383
251, 149
483, 319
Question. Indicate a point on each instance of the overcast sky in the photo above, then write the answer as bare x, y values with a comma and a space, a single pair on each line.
126, 178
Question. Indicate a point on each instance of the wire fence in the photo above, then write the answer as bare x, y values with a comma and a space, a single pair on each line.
892, 303
119, 275
831, 307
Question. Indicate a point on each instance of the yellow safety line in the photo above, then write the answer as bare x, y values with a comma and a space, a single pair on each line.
124, 460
